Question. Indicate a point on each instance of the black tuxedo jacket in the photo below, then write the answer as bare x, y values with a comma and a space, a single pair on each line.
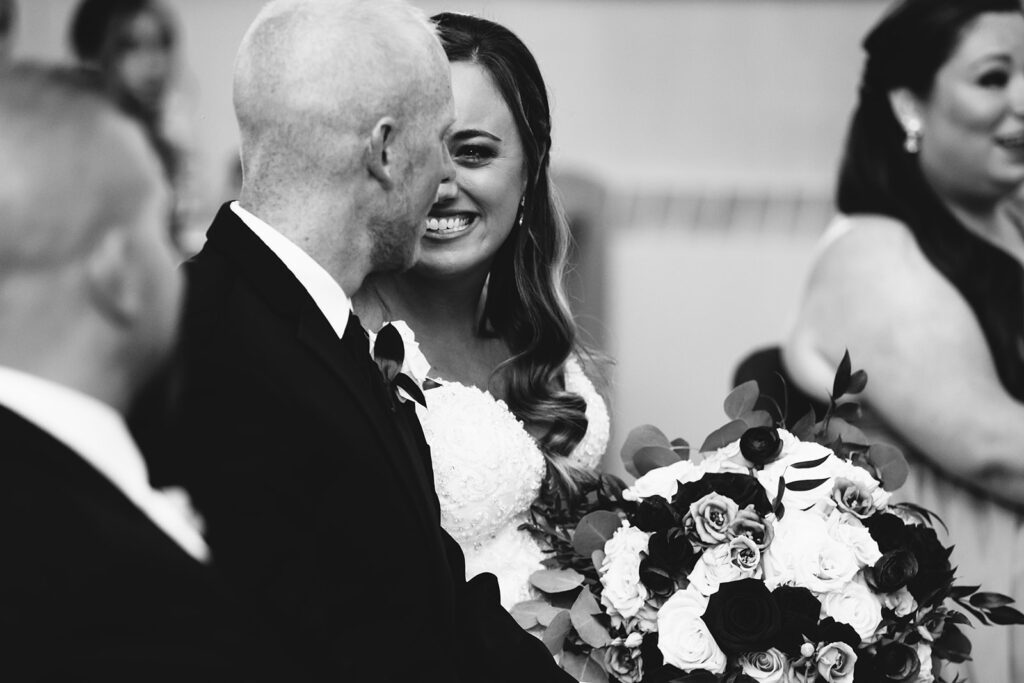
92, 590
318, 495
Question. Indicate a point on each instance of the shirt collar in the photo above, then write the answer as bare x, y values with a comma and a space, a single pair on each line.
327, 294
98, 434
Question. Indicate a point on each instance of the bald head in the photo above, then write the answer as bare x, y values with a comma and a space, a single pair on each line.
71, 166
89, 294
313, 77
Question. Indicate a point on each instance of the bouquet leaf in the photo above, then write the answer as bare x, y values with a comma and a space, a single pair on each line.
741, 400
723, 436
556, 580
889, 465
1005, 615
652, 457
554, 635
582, 615
584, 667
990, 600
805, 485
809, 464
594, 530
533, 612
841, 383
642, 437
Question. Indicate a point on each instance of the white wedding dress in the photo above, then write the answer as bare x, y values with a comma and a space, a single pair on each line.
488, 471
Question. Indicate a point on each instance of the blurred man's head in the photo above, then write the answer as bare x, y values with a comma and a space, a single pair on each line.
7, 18
343, 106
89, 292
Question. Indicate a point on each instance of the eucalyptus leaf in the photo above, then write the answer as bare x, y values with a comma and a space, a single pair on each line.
804, 427
840, 429
584, 667
682, 448
594, 530
741, 399
652, 457
858, 381
582, 615
757, 418
556, 580
724, 436
889, 464
641, 437
849, 411
554, 635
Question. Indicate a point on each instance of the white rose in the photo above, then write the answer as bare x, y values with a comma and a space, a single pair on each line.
804, 553
924, 654
793, 451
851, 532
623, 593
683, 637
901, 602
663, 481
415, 364
857, 606
732, 561
771, 666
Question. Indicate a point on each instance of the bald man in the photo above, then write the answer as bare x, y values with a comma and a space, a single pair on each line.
102, 576
314, 480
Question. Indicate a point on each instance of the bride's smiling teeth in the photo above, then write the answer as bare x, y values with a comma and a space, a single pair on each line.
448, 225
1012, 141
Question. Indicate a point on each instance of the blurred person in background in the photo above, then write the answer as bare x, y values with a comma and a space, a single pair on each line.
8, 18
103, 577
133, 44
514, 416
921, 276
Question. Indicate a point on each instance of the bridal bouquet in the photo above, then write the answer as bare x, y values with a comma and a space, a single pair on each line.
768, 556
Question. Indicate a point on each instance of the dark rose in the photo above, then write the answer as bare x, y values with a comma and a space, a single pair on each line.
800, 611
650, 654
657, 580
865, 670
761, 445
889, 531
897, 662
670, 674
933, 569
892, 571
655, 514
671, 550
743, 617
831, 631
743, 489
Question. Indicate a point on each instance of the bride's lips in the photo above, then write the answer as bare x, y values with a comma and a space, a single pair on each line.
449, 226
1013, 143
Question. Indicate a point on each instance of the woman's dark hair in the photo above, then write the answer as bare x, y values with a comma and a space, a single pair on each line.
906, 49
526, 304
8, 15
98, 25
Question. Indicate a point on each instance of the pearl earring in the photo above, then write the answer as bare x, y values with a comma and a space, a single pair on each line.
522, 211
912, 143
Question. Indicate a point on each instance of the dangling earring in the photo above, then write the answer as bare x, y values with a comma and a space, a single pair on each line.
522, 211
912, 143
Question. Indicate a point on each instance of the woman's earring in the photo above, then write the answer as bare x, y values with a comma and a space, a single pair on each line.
522, 211
912, 143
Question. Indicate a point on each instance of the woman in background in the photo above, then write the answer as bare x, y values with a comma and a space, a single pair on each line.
514, 416
132, 45
922, 278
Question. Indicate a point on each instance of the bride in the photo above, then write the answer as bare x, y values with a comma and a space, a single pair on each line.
514, 415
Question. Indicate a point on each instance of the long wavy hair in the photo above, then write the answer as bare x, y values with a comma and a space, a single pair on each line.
905, 50
526, 305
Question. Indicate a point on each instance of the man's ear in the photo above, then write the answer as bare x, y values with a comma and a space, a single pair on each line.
110, 280
380, 152
907, 109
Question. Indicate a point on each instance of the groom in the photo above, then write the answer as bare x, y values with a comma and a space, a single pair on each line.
315, 484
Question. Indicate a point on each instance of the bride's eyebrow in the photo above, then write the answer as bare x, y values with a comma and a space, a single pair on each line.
468, 133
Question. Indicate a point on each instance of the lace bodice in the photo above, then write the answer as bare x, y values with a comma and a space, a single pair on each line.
488, 471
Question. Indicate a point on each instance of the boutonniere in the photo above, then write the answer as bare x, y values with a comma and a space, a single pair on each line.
403, 366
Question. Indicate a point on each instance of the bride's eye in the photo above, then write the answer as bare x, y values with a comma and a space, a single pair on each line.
994, 78
473, 155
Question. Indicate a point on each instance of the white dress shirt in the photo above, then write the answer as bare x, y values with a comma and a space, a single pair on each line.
98, 434
326, 292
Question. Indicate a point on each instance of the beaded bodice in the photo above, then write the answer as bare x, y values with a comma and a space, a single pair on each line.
488, 471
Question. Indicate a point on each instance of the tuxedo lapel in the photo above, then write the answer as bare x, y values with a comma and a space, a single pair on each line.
283, 293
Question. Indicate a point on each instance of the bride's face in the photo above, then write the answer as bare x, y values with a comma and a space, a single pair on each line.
468, 225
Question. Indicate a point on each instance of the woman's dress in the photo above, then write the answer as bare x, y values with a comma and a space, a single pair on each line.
988, 535
488, 471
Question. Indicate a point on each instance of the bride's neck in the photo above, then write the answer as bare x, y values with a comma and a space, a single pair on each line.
427, 304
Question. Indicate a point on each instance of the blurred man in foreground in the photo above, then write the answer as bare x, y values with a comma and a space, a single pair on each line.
102, 576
